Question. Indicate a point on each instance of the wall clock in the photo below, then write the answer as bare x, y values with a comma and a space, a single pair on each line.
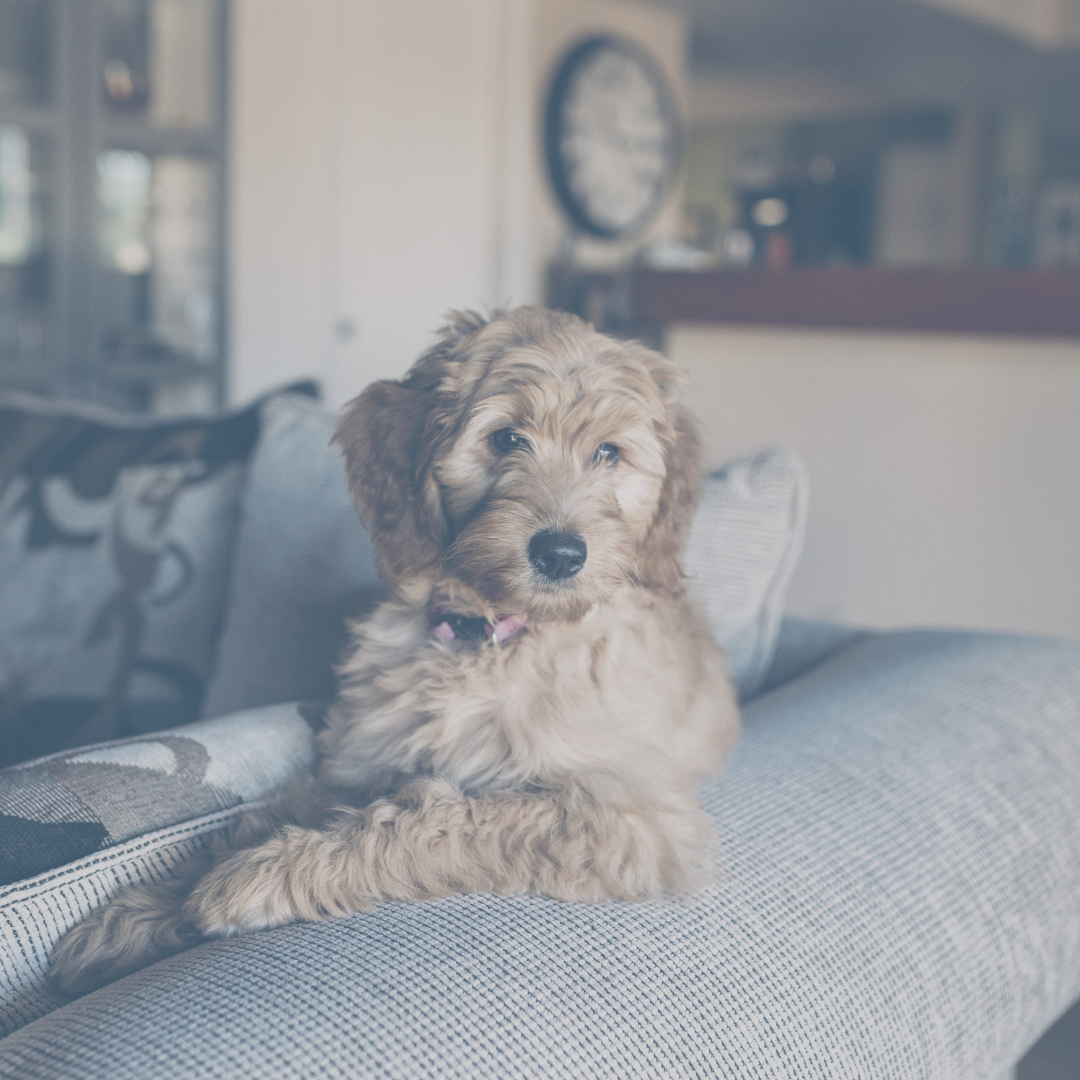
612, 137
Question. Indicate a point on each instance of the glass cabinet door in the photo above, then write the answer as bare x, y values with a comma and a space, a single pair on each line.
159, 59
25, 51
112, 153
157, 254
27, 139
158, 184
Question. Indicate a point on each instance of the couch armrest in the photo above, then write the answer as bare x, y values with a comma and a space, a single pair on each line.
77, 826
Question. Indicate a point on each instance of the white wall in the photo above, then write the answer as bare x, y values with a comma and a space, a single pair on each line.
365, 183
945, 471
281, 138
386, 166
416, 202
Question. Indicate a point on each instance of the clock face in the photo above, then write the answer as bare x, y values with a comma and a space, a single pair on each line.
612, 137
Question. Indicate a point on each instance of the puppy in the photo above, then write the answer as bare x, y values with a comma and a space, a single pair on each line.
534, 708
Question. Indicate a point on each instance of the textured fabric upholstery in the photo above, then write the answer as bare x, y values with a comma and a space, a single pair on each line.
34, 913
897, 897
303, 564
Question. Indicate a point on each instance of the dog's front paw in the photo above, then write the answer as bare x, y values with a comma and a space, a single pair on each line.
246, 891
286, 879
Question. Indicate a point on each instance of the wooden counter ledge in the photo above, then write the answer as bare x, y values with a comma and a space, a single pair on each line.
1033, 302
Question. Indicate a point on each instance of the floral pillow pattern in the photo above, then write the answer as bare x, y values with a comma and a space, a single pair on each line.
116, 537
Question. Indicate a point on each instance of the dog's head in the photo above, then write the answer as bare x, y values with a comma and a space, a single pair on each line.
537, 461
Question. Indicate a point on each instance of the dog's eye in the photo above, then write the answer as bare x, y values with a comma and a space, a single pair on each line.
506, 439
606, 454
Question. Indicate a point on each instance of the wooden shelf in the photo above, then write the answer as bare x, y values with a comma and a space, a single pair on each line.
1042, 303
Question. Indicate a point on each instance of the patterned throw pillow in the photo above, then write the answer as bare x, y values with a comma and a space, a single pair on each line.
122, 812
115, 541
67, 805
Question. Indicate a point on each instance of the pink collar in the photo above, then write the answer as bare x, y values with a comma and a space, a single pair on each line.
446, 626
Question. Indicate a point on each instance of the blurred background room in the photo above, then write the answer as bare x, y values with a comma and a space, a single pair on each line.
856, 222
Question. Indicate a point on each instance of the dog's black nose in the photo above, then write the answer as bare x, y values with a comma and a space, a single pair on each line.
557, 555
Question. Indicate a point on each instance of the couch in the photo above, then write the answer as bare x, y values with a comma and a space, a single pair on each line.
896, 885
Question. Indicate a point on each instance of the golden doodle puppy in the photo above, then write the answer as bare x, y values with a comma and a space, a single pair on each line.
534, 707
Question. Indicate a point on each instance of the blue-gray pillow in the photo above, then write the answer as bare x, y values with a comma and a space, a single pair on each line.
303, 565
743, 546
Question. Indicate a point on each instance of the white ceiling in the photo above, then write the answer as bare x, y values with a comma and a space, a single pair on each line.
1052, 24
904, 52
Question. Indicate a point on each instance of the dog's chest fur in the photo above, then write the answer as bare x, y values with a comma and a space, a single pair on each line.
626, 696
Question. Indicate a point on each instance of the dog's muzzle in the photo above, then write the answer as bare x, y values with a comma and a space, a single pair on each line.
557, 555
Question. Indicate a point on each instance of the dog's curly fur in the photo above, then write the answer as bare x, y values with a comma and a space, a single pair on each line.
563, 760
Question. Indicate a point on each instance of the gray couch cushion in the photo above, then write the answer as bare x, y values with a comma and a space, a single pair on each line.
303, 565
34, 913
802, 644
897, 898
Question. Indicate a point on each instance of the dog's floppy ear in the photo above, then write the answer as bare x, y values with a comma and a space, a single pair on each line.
660, 560
380, 433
